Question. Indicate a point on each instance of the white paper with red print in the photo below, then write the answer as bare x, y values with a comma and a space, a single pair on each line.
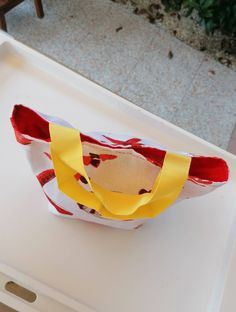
107, 159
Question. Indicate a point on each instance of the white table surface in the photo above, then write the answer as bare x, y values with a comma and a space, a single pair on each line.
175, 263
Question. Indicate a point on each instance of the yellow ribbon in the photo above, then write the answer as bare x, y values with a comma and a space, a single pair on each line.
67, 156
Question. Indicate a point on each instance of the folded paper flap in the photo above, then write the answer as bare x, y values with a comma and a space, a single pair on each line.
30, 125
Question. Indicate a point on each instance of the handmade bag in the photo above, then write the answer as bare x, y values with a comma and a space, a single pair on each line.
115, 180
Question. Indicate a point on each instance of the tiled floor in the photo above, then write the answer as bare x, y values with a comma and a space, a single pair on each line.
107, 43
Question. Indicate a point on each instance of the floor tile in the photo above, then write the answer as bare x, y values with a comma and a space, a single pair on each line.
161, 78
96, 60
108, 54
51, 35
209, 107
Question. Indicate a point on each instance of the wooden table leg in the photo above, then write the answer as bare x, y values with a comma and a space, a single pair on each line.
3, 24
39, 8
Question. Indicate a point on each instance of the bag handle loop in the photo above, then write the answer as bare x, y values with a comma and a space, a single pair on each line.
67, 156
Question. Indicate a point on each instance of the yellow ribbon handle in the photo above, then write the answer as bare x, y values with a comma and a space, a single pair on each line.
67, 156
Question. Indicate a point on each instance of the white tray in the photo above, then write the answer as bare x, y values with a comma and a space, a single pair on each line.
174, 263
